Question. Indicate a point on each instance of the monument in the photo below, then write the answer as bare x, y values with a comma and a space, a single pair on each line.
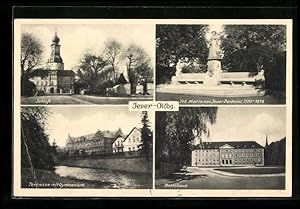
215, 82
212, 77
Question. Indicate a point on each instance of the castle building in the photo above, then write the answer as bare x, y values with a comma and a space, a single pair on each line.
53, 78
228, 153
129, 143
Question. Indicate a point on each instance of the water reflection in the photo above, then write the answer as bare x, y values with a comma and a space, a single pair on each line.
115, 179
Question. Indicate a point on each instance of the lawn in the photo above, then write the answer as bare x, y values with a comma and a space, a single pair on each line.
271, 170
111, 100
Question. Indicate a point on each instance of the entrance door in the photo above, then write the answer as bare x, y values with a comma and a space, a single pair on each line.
52, 90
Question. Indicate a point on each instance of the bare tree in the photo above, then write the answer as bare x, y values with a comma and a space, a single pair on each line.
135, 56
137, 63
112, 52
31, 54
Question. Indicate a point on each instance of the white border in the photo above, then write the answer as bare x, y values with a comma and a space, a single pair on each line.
18, 191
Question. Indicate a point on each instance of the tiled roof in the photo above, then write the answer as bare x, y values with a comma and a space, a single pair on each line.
84, 138
106, 134
131, 132
40, 72
235, 144
65, 73
109, 134
118, 136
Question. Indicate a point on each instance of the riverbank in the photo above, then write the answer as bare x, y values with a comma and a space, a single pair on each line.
131, 164
49, 179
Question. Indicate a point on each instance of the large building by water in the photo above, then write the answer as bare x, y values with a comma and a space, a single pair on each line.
228, 153
104, 142
53, 78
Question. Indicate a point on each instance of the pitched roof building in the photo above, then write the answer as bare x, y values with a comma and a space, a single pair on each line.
96, 143
228, 153
129, 143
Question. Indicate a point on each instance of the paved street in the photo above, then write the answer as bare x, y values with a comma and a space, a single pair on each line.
202, 178
81, 99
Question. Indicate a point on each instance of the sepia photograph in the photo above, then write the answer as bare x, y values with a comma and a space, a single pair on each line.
152, 108
84, 63
221, 63
85, 147
221, 148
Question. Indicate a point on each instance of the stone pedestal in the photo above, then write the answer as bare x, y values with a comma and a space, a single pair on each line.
212, 77
210, 80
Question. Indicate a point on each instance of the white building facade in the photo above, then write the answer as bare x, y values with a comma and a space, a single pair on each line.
133, 140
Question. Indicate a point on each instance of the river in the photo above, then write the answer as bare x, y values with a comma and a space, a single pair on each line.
111, 178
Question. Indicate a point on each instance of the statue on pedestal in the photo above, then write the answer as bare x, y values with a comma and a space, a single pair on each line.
214, 48
213, 62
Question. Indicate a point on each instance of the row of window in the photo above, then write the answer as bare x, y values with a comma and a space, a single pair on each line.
45, 83
248, 160
207, 163
87, 144
121, 143
207, 151
247, 150
229, 155
248, 155
133, 139
226, 157
228, 161
121, 150
227, 150
205, 160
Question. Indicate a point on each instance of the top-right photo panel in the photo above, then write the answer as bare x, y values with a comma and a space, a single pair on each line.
216, 64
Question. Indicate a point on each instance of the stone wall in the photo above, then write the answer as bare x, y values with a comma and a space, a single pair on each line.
130, 164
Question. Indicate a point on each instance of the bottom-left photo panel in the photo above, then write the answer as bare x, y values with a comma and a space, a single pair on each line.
85, 147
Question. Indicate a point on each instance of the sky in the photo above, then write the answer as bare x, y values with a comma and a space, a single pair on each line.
76, 39
78, 121
249, 123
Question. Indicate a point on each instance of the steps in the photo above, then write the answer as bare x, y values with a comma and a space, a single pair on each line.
218, 91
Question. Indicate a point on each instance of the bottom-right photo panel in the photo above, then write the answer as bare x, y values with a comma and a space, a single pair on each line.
221, 148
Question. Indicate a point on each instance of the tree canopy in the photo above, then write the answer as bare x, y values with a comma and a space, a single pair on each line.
112, 53
92, 71
36, 150
175, 132
101, 71
174, 42
138, 64
147, 137
250, 47
31, 54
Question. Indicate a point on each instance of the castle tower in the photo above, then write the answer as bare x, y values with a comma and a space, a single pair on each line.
55, 62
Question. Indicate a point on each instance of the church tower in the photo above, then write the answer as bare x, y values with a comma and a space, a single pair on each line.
55, 62
267, 143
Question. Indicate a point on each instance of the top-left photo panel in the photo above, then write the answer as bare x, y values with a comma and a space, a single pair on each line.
83, 61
